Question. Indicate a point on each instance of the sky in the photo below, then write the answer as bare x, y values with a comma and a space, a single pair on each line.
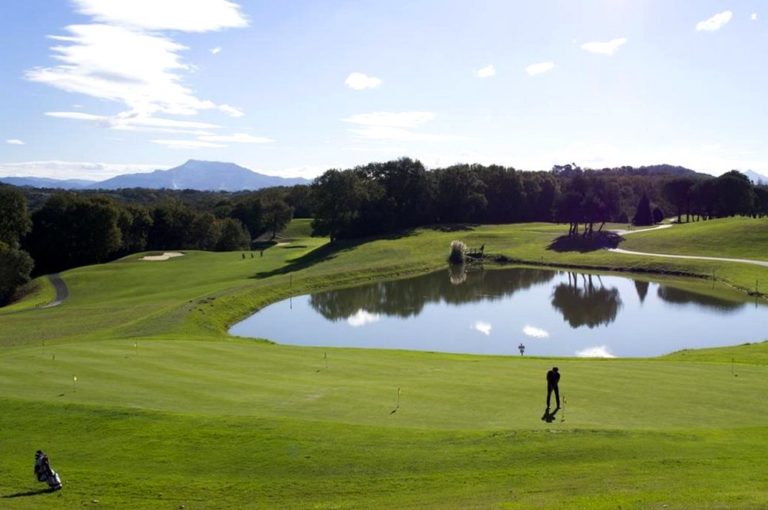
96, 88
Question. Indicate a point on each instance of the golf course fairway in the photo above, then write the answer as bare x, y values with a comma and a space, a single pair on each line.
142, 400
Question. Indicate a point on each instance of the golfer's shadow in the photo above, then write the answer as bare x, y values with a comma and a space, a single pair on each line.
28, 493
549, 416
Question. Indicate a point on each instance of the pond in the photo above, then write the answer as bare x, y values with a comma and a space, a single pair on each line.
549, 312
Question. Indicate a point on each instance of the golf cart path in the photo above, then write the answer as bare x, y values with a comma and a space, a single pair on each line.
762, 263
62, 291
628, 232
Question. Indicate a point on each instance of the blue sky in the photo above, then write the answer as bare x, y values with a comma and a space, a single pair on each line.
93, 88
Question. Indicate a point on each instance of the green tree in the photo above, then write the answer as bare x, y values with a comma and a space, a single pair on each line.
459, 195
277, 214
250, 212
15, 269
234, 236
172, 227
15, 265
643, 215
678, 193
14, 217
72, 230
735, 194
206, 231
337, 196
134, 223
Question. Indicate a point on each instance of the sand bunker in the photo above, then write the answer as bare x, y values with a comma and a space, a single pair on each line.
165, 256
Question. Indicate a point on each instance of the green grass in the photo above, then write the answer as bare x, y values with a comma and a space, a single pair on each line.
39, 292
168, 410
728, 237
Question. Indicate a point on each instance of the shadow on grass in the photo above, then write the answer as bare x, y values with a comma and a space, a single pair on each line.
453, 227
584, 244
328, 251
29, 493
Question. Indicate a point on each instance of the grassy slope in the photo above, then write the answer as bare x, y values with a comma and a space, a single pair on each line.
727, 237
234, 424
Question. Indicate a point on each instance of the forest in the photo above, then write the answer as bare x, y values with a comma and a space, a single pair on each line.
44, 231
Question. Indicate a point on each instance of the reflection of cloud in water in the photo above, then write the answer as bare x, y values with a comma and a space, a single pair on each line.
483, 327
598, 351
535, 332
362, 317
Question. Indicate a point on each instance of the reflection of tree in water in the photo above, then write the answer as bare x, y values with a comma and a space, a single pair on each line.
682, 297
405, 298
586, 304
642, 290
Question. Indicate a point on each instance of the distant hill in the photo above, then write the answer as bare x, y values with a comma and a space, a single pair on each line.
43, 182
194, 174
755, 177
662, 169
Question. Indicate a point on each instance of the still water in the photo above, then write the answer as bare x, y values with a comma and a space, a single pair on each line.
551, 313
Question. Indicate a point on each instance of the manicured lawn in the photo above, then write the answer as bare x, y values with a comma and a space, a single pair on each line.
168, 410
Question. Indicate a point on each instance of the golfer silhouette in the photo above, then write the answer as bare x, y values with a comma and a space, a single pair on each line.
553, 377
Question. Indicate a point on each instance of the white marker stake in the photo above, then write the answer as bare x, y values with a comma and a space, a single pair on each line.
74, 382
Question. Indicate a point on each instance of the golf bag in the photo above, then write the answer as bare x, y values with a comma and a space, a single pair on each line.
44, 472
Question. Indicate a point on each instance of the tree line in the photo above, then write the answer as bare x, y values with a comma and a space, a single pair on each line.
381, 198
50, 230
71, 229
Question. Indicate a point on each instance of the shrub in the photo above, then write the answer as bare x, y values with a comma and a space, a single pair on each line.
458, 252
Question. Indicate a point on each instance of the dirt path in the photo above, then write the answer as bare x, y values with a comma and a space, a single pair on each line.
62, 291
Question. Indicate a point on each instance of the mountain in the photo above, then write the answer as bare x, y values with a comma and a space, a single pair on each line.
755, 177
43, 182
194, 174
200, 175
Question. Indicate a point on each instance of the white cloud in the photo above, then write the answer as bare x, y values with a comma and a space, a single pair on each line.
535, 332
182, 15
236, 138
362, 318
606, 47
539, 68
72, 169
753, 17
216, 50
121, 65
188, 144
133, 122
360, 81
397, 126
486, 72
598, 351
483, 327
715, 22
123, 57
14, 141
231, 110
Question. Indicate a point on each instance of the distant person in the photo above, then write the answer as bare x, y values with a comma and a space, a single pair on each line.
521, 348
44, 472
553, 378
